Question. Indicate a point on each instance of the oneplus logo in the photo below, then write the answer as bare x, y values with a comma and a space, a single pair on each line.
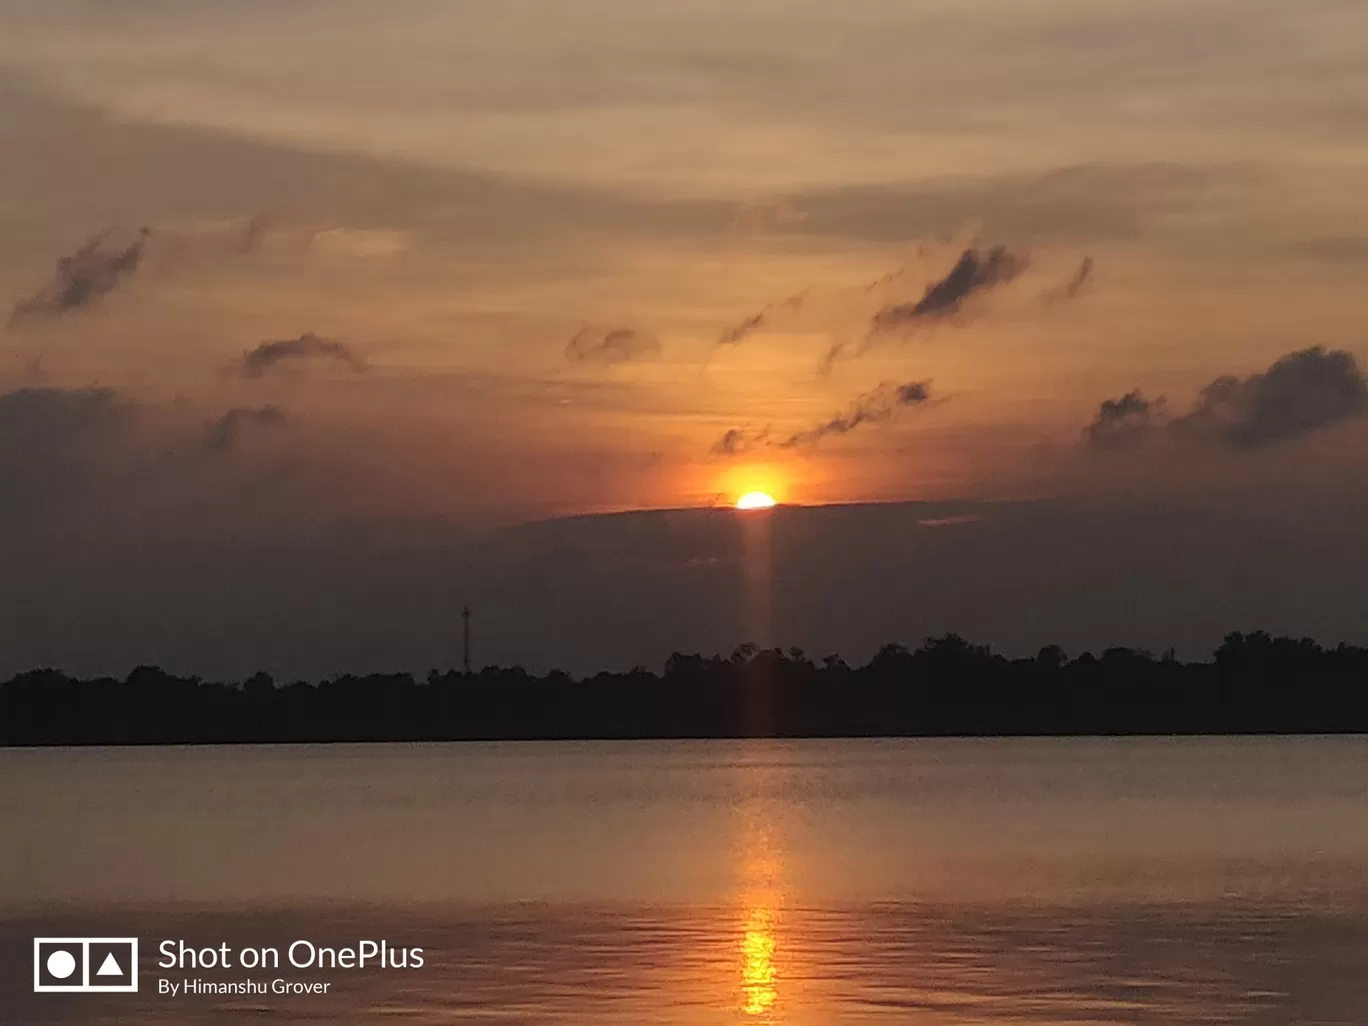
85, 965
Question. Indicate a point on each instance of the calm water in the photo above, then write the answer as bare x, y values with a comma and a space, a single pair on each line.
928, 882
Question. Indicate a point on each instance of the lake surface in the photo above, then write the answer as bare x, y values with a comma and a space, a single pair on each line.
811, 882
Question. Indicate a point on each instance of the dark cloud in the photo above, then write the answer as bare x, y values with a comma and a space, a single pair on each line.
739, 332
53, 443
551, 593
1300, 393
738, 440
893, 275
912, 393
34, 418
1124, 421
612, 345
836, 351
259, 226
976, 271
256, 362
222, 434
1074, 287
873, 406
85, 463
81, 279
876, 405
106, 261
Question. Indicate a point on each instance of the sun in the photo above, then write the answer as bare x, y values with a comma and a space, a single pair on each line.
752, 486
755, 500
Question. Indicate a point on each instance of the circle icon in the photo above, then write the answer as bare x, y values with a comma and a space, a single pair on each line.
61, 964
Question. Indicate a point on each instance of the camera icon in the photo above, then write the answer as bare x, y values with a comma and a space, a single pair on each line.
85, 965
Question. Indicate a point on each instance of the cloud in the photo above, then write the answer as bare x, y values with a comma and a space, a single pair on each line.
738, 440
81, 279
1124, 421
259, 226
737, 333
912, 393
836, 351
976, 271
103, 264
893, 275
1300, 393
222, 434
953, 520
613, 345
1074, 287
256, 362
199, 244
33, 418
878, 404
53, 443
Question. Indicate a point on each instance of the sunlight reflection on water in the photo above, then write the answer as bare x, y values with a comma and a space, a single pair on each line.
869, 965
758, 980
810, 884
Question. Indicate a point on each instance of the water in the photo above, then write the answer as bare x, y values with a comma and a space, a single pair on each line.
811, 882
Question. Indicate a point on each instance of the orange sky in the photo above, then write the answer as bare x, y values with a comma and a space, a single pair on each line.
485, 182
502, 244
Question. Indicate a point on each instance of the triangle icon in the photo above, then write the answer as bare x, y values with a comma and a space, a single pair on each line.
109, 967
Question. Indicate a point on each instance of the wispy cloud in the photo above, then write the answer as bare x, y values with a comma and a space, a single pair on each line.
612, 345
735, 441
260, 360
975, 272
878, 404
223, 433
737, 333
81, 279
108, 260
1074, 287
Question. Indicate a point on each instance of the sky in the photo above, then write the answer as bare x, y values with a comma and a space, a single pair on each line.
322, 319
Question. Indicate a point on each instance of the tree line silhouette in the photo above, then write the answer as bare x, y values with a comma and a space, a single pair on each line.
1255, 683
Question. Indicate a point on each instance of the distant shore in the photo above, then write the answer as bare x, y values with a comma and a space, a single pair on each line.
948, 687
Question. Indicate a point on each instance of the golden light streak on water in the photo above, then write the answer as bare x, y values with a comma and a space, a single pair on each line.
760, 874
758, 977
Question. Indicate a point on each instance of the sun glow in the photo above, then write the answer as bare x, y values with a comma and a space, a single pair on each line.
758, 485
755, 500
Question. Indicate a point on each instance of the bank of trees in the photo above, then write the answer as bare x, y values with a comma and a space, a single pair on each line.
947, 686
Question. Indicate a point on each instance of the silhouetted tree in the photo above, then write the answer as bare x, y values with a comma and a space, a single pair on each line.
1255, 682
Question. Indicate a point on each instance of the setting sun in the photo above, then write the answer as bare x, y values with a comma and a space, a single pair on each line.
755, 500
